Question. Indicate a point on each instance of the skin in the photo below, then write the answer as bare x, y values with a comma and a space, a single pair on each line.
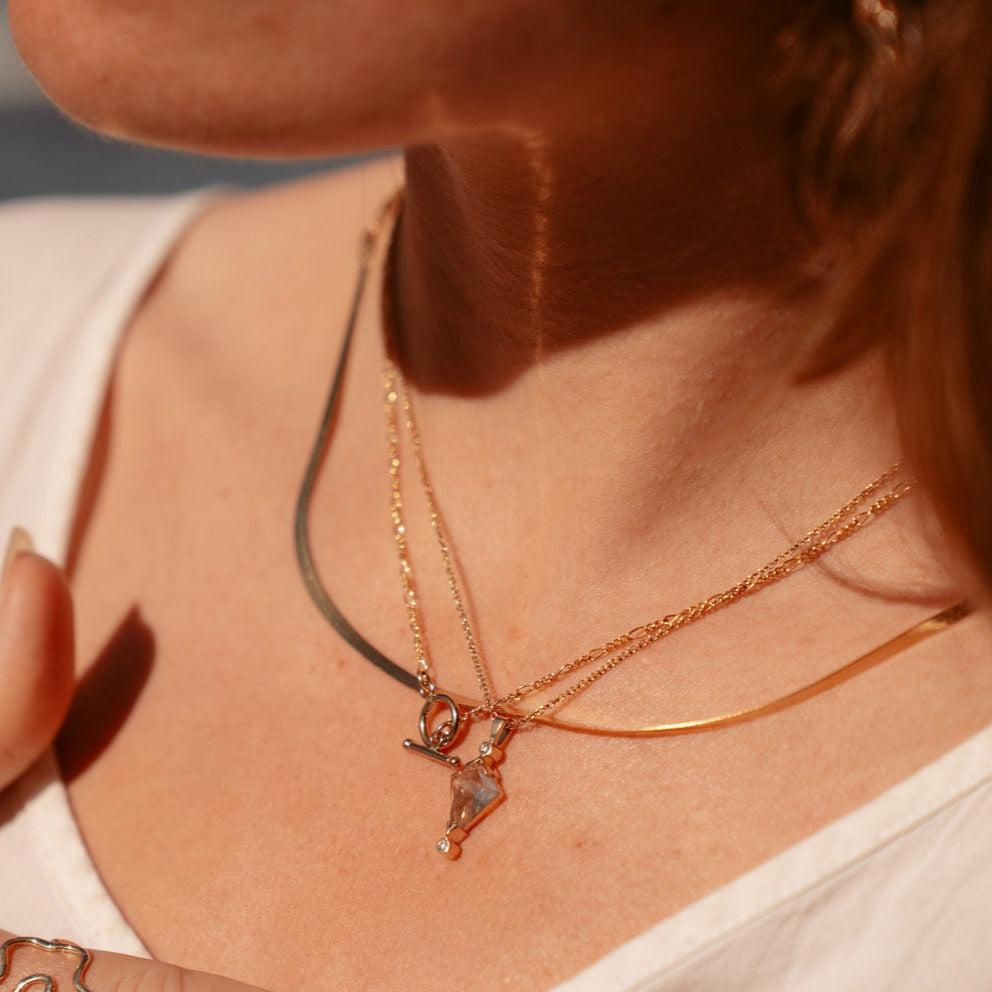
603, 294
36, 653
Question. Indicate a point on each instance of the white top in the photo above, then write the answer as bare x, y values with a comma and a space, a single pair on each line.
896, 895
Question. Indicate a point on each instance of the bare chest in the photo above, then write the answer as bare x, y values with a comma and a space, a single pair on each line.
245, 794
257, 816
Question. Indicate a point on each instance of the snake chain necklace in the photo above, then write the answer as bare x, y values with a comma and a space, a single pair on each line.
476, 786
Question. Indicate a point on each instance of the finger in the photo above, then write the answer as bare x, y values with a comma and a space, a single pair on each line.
36, 659
111, 971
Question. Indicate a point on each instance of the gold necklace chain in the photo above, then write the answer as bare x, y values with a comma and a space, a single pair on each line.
840, 525
425, 677
477, 785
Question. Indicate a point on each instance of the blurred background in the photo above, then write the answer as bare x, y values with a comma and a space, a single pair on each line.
41, 152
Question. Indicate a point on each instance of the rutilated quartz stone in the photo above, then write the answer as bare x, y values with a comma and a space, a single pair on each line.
475, 790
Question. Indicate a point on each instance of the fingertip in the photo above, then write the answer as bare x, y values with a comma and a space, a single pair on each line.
19, 540
36, 661
38, 610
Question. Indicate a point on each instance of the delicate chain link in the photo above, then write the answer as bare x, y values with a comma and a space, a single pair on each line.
837, 527
660, 628
424, 676
437, 525
840, 525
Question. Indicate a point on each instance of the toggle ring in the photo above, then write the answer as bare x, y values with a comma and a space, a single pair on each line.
445, 734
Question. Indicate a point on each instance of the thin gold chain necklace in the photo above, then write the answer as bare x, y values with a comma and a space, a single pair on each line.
841, 524
477, 787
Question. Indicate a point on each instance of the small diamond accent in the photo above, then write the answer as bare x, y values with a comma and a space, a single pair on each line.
444, 845
486, 747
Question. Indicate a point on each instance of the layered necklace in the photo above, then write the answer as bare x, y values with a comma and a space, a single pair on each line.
477, 785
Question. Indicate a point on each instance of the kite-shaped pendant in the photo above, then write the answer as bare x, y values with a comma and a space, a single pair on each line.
476, 790
476, 787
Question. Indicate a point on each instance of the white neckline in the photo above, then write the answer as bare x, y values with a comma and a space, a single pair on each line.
811, 862
42, 793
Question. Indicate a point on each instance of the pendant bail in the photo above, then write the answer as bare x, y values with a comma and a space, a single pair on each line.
491, 750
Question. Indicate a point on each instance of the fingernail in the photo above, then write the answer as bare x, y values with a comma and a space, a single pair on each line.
18, 541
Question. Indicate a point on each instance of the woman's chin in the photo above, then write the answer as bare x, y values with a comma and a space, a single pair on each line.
68, 63
118, 75
263, 78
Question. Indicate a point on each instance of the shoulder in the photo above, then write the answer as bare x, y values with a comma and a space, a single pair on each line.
276, 263
70, 236
55, 222
283, 232
71, 273
61, 259
70, 266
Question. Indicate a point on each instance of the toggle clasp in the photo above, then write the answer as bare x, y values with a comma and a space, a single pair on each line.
436, 742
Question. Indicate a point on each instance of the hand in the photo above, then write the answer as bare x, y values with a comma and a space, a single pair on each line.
36, 687
116, 972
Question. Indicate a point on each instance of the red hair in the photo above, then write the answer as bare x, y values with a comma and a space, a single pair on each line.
891, 110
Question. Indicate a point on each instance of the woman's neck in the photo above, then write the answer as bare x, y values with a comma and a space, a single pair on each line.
607, 308
527, 239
